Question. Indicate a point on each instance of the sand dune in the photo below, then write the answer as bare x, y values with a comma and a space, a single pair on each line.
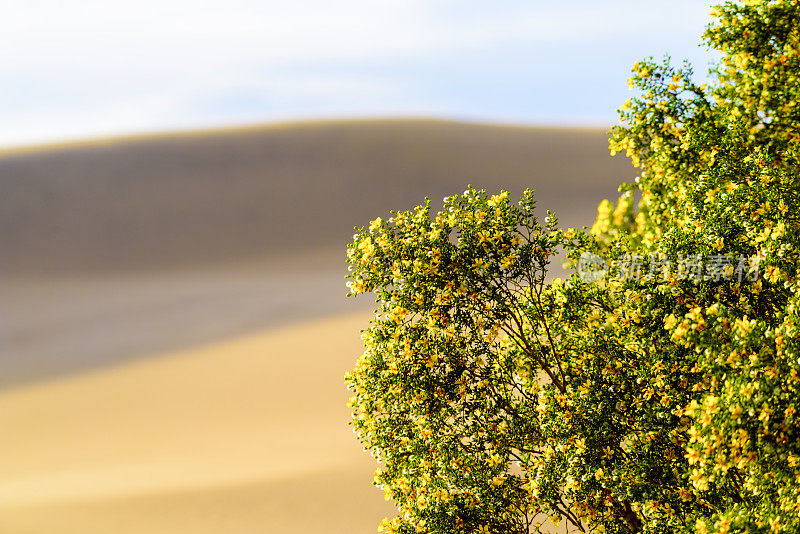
336, 501
135, 396
56, 325
126, 247
222, 196
248, 435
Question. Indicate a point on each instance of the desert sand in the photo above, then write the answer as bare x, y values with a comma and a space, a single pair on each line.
173, 326
224, 196
247, 435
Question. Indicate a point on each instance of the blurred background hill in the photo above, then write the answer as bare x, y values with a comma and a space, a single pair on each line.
219, 197
120, 248
174, 330
173, 323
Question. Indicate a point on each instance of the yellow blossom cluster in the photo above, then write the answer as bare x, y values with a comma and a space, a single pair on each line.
497, 399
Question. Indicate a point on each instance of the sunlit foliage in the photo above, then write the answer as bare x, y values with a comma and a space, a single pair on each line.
496, 400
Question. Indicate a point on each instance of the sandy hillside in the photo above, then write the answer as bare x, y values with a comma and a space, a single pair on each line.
221, 196
248, 435
126, 247
173, 327
60, 324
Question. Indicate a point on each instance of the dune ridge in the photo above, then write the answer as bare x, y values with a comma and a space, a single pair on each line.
229, 195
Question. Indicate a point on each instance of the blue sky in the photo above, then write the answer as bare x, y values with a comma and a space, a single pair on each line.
72, 70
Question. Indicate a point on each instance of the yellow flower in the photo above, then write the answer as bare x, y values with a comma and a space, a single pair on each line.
508, 261
743, 326
624, 205
358, 286
385, 526
483, 236
602, 223
367, 248
711, 404
698, 480
571, 484
765, 414
763, 235
599, 473
479, 264
497, 199
773, 274
680, 331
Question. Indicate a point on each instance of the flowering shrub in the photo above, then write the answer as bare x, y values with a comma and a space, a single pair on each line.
496, 400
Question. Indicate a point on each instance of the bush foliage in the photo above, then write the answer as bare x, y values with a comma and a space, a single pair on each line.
661, 399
